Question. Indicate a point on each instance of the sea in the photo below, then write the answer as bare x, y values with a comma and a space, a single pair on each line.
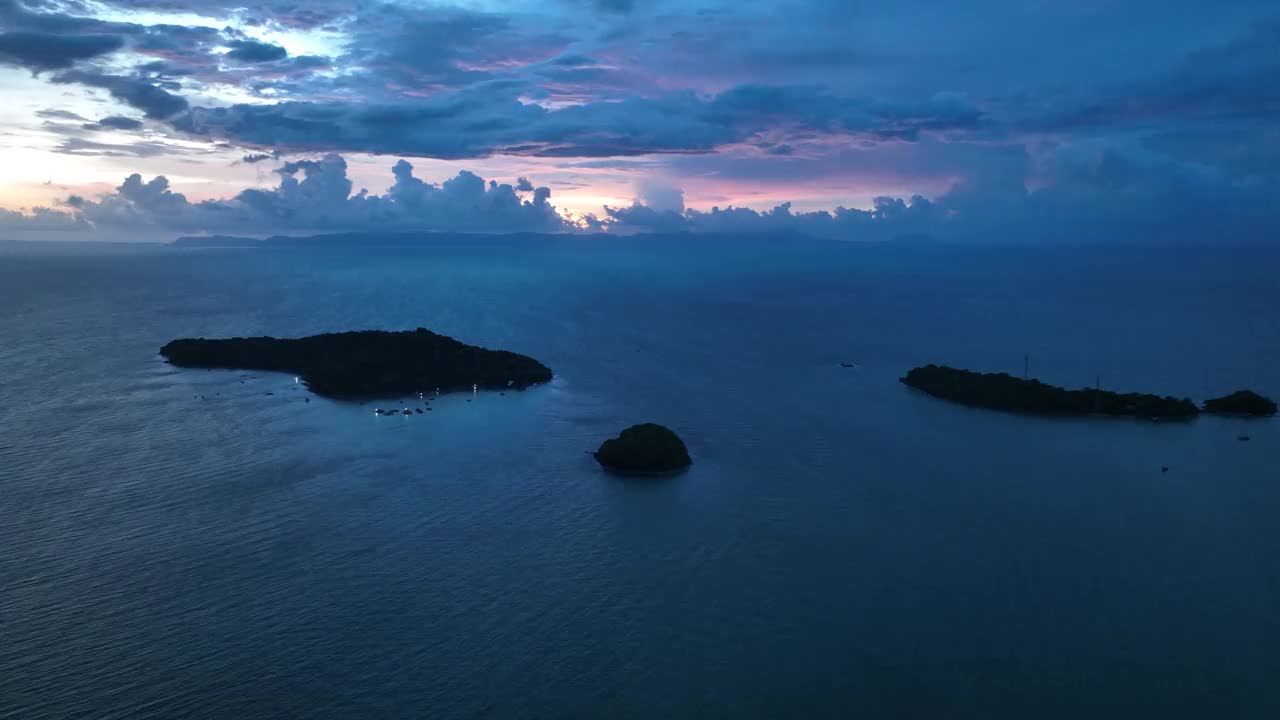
180, 543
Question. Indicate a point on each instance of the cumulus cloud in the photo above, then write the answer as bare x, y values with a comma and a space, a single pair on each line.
660, 196
891, 218
42, 220
1091, 191
312, 195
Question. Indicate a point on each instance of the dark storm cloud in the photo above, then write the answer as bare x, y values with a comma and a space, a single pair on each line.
45, 51
252, 51
139, 93
492, 119
180, 50
114, 122
1238, 79
414, 50
50, 18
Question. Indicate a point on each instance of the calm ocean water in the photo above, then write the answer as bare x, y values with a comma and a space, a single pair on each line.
842, 547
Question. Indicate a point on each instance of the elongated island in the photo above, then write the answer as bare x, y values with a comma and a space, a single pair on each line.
366, 364
1001, 391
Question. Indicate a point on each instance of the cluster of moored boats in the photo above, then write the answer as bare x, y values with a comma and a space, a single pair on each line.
406, 411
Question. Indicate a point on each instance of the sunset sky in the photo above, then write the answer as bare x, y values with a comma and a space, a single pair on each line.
1011, 119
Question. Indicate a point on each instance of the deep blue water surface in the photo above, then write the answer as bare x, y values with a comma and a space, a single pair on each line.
842, 547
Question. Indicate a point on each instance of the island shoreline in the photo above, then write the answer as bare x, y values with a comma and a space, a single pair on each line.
367, 365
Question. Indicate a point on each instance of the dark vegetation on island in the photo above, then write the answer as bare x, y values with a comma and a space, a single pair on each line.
372, 363
1241, 402
1001, 391
644, 449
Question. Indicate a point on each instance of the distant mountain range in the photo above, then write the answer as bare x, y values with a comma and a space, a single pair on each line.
400, 239
216, 241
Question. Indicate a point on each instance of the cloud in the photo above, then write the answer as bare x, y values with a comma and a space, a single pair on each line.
252, 51
18, 17
617, 6
1224, 83
41, 220
1094, 191
891, 218
1056, 120
166, 56
45, 51
81, 146
1090, 191
56, 114
660, 196
114, 122
290, 14
140, 93
406, 51
492, 119
312, 196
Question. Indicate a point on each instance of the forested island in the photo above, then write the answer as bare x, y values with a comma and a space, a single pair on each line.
367, 364
644, 449
1001, 391
1241, 402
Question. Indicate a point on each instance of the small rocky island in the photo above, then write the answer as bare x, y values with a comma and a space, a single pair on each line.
1241, 402
644, 449
367, 364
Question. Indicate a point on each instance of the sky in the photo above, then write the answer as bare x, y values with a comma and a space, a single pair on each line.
996, 120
